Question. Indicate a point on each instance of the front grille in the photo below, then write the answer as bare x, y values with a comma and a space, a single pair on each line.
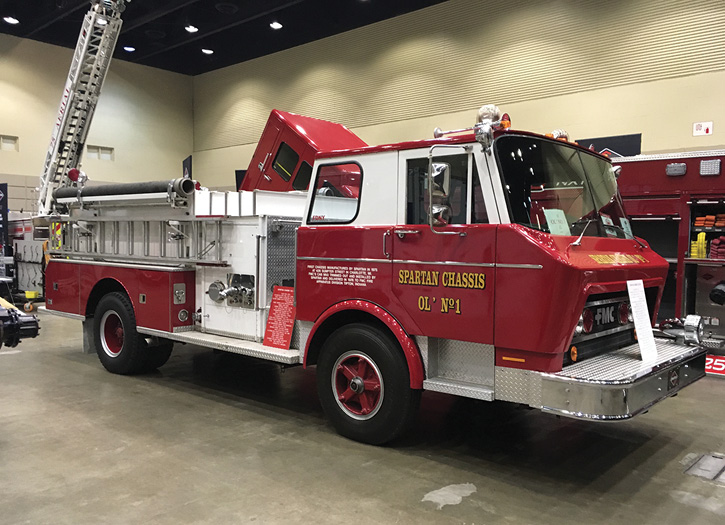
607, 333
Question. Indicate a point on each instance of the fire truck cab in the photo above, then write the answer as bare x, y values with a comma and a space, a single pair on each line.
487, 263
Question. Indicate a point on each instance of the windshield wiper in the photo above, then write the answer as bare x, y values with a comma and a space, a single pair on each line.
578, 242
626, 235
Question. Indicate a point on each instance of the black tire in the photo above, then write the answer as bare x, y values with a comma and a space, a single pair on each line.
158, 355
120, 348
353, 360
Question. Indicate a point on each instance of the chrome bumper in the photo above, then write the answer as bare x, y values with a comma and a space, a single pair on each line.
609, 387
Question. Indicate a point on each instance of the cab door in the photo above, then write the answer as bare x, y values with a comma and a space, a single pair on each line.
444, 277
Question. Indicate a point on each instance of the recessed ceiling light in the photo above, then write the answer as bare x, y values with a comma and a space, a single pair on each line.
226, 8
11, 20
207, 51
191, 29
275, 25
129, 49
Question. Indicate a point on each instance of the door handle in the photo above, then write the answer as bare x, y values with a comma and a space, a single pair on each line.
264, 162
385, 244
403, 233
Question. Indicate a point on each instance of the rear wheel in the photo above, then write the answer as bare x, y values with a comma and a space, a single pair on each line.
120, 348
158, 355
364, 384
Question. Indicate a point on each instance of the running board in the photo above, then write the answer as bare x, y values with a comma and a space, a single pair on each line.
459, 388
228, 344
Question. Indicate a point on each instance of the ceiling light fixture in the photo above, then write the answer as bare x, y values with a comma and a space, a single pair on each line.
129, 49
207, 51
11, 20
275, 25
101, 21
191, 29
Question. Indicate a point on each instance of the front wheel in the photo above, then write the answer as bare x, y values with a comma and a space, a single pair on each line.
364, 384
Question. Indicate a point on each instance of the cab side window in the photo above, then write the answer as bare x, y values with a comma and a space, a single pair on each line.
302, 179
285, 161
336, 194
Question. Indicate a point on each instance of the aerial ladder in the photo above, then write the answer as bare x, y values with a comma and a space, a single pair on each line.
91, 58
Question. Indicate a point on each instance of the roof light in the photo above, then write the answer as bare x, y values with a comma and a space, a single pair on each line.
11, 20
275, 25
101, 21
207, 51
191, 29
129, 49
505, 121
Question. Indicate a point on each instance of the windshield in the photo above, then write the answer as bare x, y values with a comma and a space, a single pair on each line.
557, 188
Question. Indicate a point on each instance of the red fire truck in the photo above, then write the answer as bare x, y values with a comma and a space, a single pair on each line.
487, 263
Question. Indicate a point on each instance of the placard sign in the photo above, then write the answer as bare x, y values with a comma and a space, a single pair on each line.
556, 220
627, 227
642, 321
715, 364
281, 319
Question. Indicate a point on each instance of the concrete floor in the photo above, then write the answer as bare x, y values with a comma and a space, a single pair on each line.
217, 438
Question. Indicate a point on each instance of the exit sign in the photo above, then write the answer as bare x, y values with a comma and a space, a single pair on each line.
701, 128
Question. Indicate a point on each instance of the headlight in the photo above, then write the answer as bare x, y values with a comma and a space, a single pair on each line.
694, 329
586, 322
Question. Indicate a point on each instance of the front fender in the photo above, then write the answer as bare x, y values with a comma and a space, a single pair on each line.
410, 349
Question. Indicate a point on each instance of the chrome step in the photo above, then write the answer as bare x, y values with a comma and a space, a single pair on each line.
229, 344
459, 388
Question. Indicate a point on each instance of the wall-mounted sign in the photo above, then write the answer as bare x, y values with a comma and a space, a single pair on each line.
701, 128
615, 146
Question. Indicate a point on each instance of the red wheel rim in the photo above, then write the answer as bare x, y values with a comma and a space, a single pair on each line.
111, 334
357, 385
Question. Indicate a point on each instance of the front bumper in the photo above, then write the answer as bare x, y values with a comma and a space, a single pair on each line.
613, 386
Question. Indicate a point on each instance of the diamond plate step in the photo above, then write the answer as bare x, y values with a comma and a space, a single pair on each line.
459, 388
229, 344
625, 365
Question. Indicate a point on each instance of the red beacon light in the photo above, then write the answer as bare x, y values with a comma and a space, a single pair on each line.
77, 176
505, 121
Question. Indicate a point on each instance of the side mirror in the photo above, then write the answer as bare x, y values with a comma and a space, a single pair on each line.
441, 215
439, 184
442, 177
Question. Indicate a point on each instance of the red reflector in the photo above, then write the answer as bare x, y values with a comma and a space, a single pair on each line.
73, 174
587, 321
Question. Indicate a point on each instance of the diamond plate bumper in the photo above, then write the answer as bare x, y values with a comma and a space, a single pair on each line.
609, 387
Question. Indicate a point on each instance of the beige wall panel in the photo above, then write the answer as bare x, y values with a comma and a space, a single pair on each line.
663, 112
145, 114
459, 54
215, 168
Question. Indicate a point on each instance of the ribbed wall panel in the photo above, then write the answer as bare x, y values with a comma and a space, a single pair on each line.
458, 55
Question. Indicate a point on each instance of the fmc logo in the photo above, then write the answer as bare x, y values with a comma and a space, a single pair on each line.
605, 315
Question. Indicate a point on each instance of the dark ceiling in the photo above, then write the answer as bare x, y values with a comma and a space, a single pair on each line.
236, 30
